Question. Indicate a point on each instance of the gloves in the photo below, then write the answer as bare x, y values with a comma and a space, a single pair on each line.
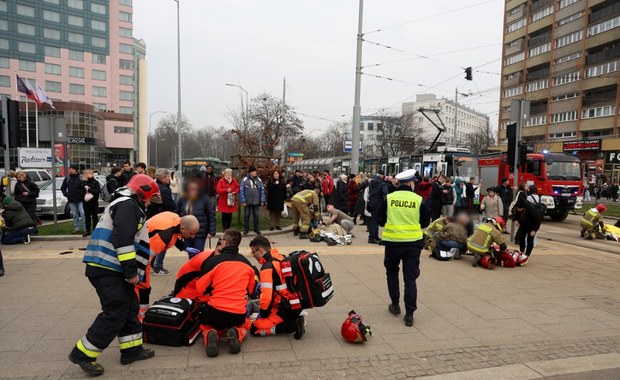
191, 252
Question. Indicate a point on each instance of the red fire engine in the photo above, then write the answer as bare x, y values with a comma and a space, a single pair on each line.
557, 176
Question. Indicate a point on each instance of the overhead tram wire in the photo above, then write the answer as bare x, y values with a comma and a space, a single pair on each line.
410, 53
430, 16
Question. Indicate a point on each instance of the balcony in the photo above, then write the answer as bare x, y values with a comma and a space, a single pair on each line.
602, 81
602, 38
534, 131
539, 59
597, 123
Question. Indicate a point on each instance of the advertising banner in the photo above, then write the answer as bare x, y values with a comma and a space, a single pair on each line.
61, 155
40, 158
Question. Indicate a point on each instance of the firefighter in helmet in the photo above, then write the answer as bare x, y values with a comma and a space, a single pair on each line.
305, 203
592, 223
481, 242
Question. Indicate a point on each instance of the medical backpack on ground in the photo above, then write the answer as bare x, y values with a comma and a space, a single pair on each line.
308, 284
172, 321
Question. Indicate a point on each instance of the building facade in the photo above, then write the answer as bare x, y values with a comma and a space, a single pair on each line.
468, 121
81, 52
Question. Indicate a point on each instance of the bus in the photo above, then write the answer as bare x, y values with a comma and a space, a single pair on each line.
191, 166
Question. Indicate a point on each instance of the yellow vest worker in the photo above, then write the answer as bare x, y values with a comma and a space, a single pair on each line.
592, 222
404, 216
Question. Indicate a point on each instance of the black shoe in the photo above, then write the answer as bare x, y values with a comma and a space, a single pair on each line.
295, 232
278, 228
257, 232
408, 320
271, 228
303, 237
212, 341
374, 241
394, 308
143, 354
234, 347
90, 366
300, 327
246, 232
1, 272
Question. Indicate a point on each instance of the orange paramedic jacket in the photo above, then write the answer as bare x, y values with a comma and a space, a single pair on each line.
188, 275
273, 285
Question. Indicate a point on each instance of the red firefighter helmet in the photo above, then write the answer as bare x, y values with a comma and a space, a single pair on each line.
488, 262
499, 222
144, 187
601, 207
353, 328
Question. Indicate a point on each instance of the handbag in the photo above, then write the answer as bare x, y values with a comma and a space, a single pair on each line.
88, 197
285, 212
230, 200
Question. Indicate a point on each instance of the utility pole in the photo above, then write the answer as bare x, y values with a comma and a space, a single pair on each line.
5, 137
456, 114
355, 143
283, 123
179, 115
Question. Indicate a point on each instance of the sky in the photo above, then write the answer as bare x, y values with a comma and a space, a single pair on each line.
256, 43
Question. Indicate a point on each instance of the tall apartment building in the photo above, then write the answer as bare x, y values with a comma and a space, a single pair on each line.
83, 53
562, 55
468, 120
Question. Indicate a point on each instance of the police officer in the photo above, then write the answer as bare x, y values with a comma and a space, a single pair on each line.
116, 258
403, 215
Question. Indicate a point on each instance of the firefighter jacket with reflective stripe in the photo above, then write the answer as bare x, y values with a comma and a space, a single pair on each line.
591, 218
308, 197
436, 226
165, 232
229, 279
272, 283
485, 235
120, 242
403, 217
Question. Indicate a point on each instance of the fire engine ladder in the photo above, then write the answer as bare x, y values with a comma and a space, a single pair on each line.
440, 129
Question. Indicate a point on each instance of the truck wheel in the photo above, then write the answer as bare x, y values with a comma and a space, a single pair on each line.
558, 216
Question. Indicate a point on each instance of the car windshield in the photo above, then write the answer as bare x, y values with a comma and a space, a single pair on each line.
464, 167
564, 170
48, 185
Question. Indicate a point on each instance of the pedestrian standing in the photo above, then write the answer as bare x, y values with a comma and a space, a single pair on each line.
276, 195
340, 196
403, 215
530, 222
458, 195
470, 193
141, 168
26, 193
92, 189
504, 191
436, 194
114, 180
175, 186
252, 196
209, 182
360, 203
377, 191
352, 196
327, 187
227, 190
72, 190
447, 198
128, 172
194, 202
492, 206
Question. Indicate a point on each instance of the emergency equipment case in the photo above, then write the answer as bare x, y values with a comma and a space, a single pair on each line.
172, 321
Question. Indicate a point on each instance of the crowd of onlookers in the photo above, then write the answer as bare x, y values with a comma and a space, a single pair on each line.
596, 191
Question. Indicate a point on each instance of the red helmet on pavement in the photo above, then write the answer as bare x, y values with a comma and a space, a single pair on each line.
601, 207
144, 187
353, 328
488, 262
500, 223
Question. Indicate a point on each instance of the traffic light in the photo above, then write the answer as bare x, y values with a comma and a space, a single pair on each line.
524, 149
12, 122
511, 134
468, 75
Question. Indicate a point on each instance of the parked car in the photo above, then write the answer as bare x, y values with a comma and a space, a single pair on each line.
39, 176
45, 200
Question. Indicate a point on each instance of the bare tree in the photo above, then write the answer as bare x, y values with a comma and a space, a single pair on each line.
478, 142
399, 135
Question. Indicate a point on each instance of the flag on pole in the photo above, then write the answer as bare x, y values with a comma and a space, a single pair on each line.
43, 98
25, 89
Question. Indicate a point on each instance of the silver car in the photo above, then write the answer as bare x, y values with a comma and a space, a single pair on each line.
45, 200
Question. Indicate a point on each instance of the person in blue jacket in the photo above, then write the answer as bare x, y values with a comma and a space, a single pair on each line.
252, 196
196, 202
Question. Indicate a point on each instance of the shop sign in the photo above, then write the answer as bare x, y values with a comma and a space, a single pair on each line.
612, 157
582, 146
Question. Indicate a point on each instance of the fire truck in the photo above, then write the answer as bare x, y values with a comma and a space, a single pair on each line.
557, 176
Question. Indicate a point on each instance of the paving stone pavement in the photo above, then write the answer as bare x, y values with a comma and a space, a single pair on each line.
564, 304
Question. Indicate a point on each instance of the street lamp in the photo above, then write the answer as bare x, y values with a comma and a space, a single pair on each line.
180, 165
148, 153
156, 142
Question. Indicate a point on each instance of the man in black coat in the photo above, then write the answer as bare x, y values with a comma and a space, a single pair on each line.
377, 191
436, 194
505, 194
74, 192
128, 172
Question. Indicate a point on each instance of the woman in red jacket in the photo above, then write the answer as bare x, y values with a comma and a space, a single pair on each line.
227, 189
352, 188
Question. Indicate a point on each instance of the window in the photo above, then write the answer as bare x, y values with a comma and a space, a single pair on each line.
126, 79
52, 86
514, 10
507, 77
97, 8
57, 2
25, 29
76, 55
605, 68
75, 20
125, 32
604, 26
542, 13
4, 44
128, 95
562, 135
125, 48
125, 64
123, 130
101, 92
76, 72
124, 16
126, 2
77, 4
563, 116
25, 47
566, 78
566, 3
52, 51
76, 89
51, 68
126, 110
27, 65
516, 25
513, 43
514, 91
4, 25
515, 58
567, 58
570, 18
559, 98
76, 38
4, 62
569, 39
3, 7
98, 25
5, 81
100, 106
98, 42
536, 120
99, 75
53, 34
603, 111
24, 10
99, 58
538, 85
540, 49
51, 16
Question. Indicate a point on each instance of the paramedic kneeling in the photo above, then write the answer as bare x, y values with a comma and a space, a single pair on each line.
403, 215
276, 316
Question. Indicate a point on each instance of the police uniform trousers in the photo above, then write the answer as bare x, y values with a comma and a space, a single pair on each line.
118, 318
409, 256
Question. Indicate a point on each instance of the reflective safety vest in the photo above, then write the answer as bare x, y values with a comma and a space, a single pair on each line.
308, 197
436, 226
101, 253
403, 217
483, 237
591, 217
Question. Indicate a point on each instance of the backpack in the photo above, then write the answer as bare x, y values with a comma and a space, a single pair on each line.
308, 284
535, 209
105, 193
